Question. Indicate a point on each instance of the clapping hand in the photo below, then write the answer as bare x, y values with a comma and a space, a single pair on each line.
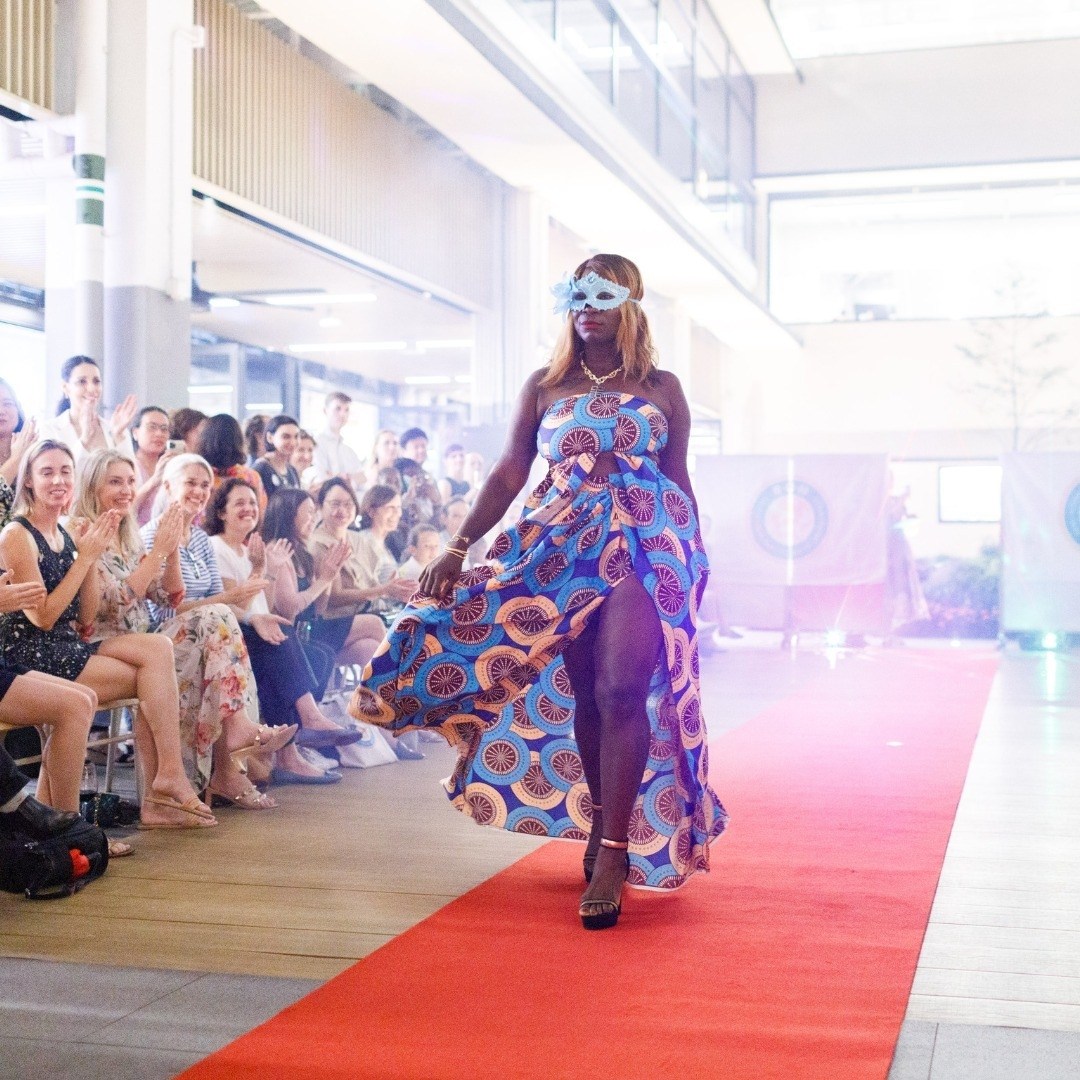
97, 535
269, 627
256, 549
170, 531
22, 440
334, 558
402, 589
278, 553
122, 416
241, 595
30, 594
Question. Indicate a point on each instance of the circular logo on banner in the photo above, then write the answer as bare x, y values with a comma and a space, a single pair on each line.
1072, 513
798, 535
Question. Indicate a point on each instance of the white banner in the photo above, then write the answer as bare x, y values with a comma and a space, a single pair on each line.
815, 519
1040, 529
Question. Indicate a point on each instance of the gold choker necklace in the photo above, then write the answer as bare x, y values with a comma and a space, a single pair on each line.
598, 380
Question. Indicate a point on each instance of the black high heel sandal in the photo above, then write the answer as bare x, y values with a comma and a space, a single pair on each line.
608, 913
588, 860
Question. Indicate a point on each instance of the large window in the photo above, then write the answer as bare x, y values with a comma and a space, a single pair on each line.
959, 254
668, 71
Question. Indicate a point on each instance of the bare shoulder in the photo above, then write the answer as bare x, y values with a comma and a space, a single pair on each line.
669, 393
15, 540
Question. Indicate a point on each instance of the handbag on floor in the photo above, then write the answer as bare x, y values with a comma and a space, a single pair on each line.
49, 869
371, 750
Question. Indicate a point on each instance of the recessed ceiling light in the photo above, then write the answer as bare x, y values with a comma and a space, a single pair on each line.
445, 343
349, 346
307, 299
427, 380
224, 301
329, 321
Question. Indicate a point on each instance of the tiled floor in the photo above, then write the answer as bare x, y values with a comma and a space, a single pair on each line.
996, 995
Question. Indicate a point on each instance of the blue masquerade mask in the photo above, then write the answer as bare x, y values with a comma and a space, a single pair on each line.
573, 294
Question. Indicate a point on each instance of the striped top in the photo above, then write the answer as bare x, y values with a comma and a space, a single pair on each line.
198, 567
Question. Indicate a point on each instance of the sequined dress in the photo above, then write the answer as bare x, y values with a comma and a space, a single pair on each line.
483, 667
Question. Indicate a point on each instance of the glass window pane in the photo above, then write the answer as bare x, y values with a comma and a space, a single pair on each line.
675, 45
586, 35
676, 136
711, 99
636, 93
541, 12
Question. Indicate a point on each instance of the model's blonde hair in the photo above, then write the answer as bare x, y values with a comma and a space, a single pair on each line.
24, 494
633, 338
88, 496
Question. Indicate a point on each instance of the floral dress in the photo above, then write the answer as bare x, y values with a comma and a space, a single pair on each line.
59, 651
213, 673
484, 667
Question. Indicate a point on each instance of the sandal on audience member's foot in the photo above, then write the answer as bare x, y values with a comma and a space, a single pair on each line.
161, 815
251, 798
601, 913
118, 849
267, 740
192, 805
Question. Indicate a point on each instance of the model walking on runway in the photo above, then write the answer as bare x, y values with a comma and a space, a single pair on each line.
565, 671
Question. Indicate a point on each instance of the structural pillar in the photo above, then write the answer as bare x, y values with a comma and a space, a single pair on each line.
75, 215
509, 334
148, 245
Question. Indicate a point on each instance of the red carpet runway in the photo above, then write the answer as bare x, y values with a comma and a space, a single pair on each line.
793, 959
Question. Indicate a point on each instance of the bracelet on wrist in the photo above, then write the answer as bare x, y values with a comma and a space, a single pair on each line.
465, 540
456, 551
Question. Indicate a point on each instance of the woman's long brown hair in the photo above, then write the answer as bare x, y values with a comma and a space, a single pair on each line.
633, 338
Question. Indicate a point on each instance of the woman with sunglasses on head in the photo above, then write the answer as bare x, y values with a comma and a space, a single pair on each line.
584, 623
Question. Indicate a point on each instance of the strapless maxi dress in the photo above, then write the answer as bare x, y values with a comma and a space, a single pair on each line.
483, 667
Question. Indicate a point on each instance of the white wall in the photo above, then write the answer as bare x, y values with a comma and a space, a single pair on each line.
991, 103
900, 388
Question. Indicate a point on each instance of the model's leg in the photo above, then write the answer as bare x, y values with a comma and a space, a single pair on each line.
66, 711
628, 642
142, 666
578, 658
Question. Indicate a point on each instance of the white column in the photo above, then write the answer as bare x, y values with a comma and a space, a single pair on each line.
148, 239
509, 335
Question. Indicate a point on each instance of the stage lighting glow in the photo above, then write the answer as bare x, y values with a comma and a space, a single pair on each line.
834, 638
1049, 641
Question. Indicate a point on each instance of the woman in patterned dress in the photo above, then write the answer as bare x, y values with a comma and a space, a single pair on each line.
35, 547
219, 708
583, 625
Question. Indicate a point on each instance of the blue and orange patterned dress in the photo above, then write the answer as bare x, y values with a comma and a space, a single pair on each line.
484, 668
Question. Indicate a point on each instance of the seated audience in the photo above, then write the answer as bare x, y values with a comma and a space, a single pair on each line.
454, 485
150, 436
286, 682
221, 444
299, 585
218, 705
22, 810
186, 425
275, 467
303, 461
414, 445
43, 636
422, 546
384, 455
78, 422
17, 435
254, 432
62, 710
347, 623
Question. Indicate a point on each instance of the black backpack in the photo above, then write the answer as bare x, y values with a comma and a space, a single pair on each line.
49, 869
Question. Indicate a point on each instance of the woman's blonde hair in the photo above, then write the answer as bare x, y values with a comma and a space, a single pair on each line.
633, 338
24, 495
88, 496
